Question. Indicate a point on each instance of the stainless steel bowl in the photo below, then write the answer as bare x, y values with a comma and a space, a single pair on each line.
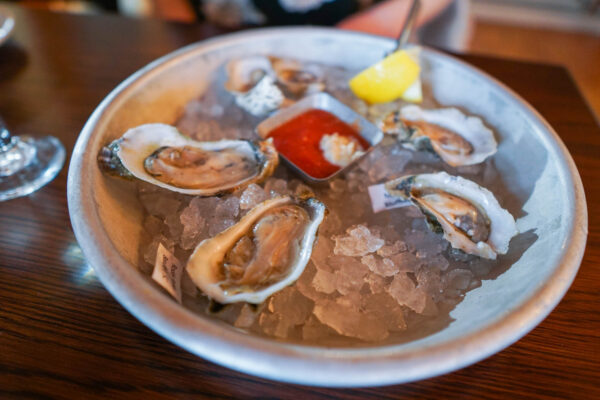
545, 192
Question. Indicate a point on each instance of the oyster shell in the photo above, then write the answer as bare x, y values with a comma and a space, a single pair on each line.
264, 252
457, 138
251, 80
298, 78
469, 215
161, 155
244, 73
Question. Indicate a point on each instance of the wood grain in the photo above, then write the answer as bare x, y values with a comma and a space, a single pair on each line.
62, 335
579, 52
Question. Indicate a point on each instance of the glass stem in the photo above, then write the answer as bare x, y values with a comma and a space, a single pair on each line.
6, 140
15, 154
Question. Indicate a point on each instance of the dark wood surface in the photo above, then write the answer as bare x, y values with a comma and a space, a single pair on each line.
62, 335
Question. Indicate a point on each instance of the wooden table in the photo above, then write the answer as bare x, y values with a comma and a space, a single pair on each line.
62, 335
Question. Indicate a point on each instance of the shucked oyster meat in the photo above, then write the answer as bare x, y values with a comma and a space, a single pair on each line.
469, 215
251, 80
298, 78
457, 138
161, 155
264, 252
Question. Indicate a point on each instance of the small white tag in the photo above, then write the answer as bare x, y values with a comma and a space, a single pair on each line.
381, 200
167, 272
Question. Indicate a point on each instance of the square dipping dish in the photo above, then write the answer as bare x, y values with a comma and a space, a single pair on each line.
365, 131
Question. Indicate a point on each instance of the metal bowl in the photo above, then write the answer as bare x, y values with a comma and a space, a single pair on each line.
545, 192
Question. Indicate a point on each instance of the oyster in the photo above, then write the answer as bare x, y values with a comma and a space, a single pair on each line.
161, 155
297, 78
252, 82
457, 138
469, 215
264, 252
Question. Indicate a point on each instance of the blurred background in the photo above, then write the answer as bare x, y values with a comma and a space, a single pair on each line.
565, 32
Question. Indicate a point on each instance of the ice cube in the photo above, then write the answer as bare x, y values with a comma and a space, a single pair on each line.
274, 324
406, 262
377, 283
404, 291
153, 225
380, 266
218, 225
349, 273
160, 204
194, 225
246, 317
304, 283
314, 329
228, 208
422, 240
252, 196
324, 281
291, 304
347, 320
391, 249
383, 307
429, 279
358, 241
276, 187
458, 279
175, 227
321, 252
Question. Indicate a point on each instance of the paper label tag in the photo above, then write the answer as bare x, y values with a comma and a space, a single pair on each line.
381, 200
167, 272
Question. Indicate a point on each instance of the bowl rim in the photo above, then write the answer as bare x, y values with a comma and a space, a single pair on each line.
318, 366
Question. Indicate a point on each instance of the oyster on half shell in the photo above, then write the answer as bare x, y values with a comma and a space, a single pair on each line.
298, 78
457, 138
264, 252
161, 155
252, 81
469, 215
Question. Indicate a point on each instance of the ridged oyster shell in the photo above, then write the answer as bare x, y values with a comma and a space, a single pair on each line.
161, 155
264, 252
471, 218
457, 138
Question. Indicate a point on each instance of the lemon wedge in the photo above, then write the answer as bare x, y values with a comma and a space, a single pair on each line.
396, 76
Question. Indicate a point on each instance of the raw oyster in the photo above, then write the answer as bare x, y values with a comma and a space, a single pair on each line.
244, 73
252, 82
457, 138
264, 252
298, 78
468, 214
161, 155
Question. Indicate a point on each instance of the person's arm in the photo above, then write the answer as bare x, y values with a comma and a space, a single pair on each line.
173, 10
387, 18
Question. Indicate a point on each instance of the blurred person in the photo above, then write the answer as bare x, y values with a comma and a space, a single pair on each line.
442, 23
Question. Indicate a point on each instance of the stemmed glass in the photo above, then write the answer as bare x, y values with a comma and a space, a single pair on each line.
27, 163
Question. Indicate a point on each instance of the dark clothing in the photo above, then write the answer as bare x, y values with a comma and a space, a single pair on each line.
328, 14
275, 12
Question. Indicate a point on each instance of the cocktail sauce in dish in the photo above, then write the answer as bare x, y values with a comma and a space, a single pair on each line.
299, 140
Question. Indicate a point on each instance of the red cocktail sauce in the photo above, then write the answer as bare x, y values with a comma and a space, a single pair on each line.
298, 140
